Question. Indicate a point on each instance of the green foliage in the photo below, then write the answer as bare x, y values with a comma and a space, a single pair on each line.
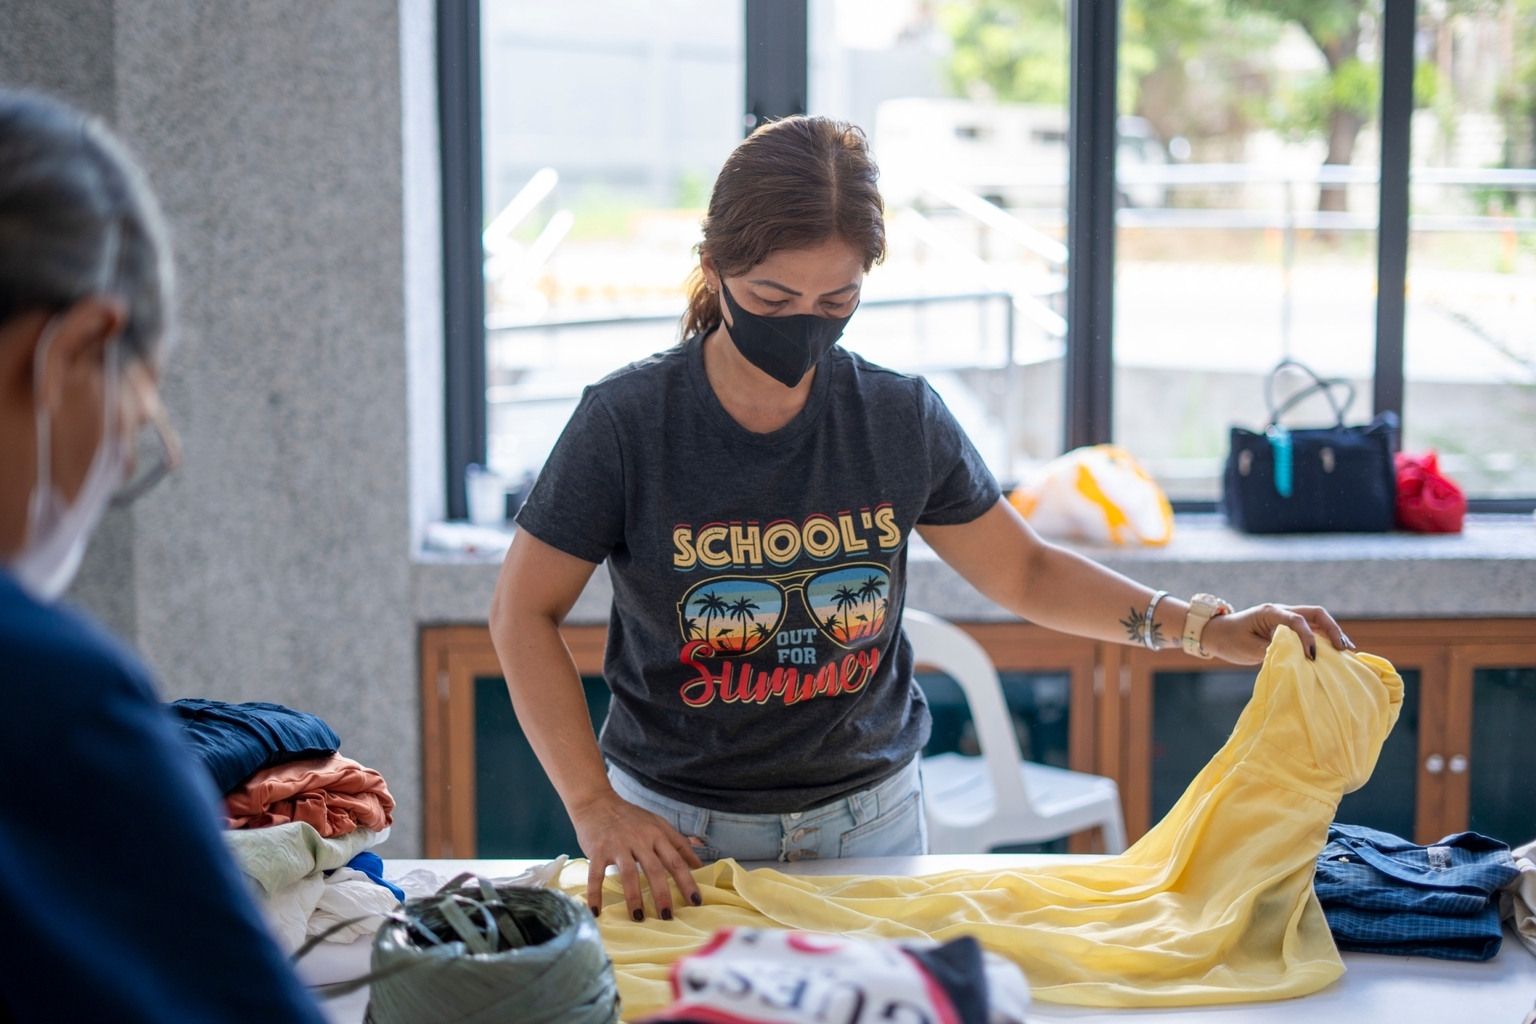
1426, 84
1010, 50
1517, 95
693, 189
1307, 109
1017, 50
1334, 25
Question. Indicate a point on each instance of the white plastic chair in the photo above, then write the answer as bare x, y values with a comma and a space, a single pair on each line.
976, 803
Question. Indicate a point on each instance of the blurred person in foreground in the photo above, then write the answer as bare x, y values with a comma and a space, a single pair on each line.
118, 898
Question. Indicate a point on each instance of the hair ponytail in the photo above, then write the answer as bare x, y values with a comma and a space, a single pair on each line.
792, 184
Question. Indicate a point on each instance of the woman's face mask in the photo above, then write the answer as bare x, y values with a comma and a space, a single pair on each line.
783, 347
58, 529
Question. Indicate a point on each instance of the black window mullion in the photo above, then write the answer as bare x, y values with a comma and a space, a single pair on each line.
777, 44
1398, 17
1092, 139
458, 91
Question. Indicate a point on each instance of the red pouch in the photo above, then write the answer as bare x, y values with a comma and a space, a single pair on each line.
1427, 500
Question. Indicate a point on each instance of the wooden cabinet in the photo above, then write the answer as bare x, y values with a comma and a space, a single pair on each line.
1112, 715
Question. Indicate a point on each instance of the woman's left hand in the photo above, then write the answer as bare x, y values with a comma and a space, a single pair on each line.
1243, 637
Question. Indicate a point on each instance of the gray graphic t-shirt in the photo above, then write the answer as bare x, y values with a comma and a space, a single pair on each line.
754, 649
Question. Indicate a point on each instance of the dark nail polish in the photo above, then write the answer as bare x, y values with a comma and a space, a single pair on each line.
638, 915
596, 911
666, 913
1313, 652
696, 900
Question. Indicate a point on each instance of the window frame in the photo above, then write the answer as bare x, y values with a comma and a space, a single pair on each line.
776, 85
463, 197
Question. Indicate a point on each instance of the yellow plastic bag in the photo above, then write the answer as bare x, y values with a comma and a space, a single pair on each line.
1099, 494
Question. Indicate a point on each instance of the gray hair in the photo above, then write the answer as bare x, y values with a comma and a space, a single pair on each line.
77, 218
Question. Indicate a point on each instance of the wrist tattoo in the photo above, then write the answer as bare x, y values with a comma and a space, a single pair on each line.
1137, 627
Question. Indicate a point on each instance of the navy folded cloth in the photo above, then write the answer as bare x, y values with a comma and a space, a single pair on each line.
1384, 894
235, 741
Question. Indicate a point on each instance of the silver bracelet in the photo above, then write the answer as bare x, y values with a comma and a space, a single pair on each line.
1147, 637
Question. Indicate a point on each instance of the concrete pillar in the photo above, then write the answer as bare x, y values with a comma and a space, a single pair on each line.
276, 564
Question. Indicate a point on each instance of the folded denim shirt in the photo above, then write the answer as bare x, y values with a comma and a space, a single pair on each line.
1384, 894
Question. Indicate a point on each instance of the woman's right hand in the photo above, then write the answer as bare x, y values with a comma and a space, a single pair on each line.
611, 830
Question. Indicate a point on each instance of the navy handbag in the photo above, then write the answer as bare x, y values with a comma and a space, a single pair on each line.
1335, 480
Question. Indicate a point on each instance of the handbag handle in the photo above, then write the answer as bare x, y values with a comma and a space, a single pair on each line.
1325, 385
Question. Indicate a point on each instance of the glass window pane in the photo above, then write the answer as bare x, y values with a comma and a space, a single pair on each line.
517, 811
605, 123
965, 106
1247, 229
1503, 726
1470, 356
1193, 713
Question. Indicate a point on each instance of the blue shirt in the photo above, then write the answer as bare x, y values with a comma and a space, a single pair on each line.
1383, 894
118, 899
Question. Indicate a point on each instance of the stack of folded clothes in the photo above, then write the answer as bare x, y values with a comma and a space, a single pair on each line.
1383, 894
301, 816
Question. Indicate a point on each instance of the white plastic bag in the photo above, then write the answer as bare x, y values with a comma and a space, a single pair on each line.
1098, 494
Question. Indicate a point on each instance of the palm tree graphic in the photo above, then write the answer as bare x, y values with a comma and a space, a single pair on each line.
741, 610
845, 599
870, 591
691, 628
762, 633
710, 604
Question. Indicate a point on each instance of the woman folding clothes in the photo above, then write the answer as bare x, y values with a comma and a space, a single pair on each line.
754, 491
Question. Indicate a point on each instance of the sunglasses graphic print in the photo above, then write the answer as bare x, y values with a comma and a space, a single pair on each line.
738, 614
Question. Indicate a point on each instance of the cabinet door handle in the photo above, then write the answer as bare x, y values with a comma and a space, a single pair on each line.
1434, 764
1458, 763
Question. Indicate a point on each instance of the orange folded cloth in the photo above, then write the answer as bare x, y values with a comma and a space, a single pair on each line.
334, 794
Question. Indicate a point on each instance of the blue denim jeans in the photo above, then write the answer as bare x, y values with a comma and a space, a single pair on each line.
885, 821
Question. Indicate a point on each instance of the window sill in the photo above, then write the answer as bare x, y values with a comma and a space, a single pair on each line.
1487, 571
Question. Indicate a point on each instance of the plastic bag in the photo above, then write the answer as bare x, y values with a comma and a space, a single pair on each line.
1099, 494
481, 950
1428, 501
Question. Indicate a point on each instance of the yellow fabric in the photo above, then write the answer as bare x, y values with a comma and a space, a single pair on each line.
1214, 905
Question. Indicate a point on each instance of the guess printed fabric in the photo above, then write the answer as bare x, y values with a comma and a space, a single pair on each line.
753, 651
763, 976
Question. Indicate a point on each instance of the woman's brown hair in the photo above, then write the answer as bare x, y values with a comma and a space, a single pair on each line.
792, 184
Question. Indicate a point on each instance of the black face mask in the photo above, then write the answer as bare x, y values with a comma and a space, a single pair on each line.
783, 347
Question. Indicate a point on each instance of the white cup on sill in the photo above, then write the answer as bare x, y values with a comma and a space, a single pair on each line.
487, 496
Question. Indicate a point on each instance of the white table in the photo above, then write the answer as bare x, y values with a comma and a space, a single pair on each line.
1400, 990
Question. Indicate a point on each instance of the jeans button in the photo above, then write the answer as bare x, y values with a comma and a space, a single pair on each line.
799, 835
795, 816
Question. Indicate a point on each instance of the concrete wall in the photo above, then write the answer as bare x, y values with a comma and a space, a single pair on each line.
63, 47
276, 565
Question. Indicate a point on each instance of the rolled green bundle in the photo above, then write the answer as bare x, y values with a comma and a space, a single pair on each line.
475, 953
